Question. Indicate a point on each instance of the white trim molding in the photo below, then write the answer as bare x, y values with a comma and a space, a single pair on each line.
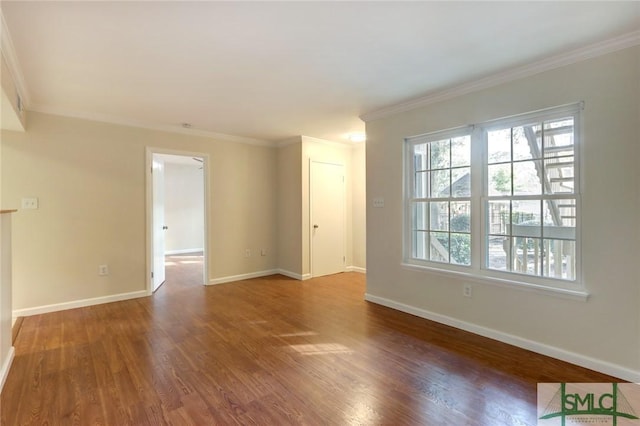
168, 128
541, 348
588, 52
78, 303
295, 276
9, 53
184, 251
232, 278
6, 366
356, 269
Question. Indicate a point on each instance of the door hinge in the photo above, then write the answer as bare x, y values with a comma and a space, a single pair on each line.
151, 274
344, 259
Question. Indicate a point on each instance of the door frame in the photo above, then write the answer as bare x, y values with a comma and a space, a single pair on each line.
149, 151
344, 212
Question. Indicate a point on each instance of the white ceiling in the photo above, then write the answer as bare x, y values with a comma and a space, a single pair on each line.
273, 70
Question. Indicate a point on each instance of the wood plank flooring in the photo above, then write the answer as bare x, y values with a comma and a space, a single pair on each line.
267, 351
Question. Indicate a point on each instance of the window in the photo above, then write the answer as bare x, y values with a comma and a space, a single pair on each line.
497, 199
441, 199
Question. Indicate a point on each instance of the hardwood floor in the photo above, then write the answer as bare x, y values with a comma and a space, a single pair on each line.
267, 351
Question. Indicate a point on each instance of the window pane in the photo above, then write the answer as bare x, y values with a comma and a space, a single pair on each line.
439, 154
420, 239
527, 142
498, 215
420, 216
527, 255
497, 250
461, 151
560, 213
525, 218
460, 216
499, 179
440, 183
525, 178
421, 183
420, 157
439, 250
558, 135
461, 249
461, 182
561, 261
439, 216
499, 146
559, 173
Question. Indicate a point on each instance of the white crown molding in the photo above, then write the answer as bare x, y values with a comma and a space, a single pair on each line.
327, 142
105, 118
9, 53
557, 61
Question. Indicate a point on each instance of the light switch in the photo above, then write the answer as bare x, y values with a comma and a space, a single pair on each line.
378, 202
29, 203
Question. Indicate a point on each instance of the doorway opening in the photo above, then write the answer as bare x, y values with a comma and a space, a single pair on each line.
177, 205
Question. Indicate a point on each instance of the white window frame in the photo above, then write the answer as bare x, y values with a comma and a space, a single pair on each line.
478, 270
410, 184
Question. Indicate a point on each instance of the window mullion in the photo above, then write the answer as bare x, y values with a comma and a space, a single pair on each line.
478, 192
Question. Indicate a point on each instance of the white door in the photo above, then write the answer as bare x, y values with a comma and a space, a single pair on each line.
327, 195
158, 222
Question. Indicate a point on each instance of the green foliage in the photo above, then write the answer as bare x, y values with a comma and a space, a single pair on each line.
460, 244
502, 181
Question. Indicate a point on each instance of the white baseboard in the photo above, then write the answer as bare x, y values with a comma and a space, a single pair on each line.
78, 303
290, 274
184, 251
294, 275
241, 277
356, 269
541, 348
6, 366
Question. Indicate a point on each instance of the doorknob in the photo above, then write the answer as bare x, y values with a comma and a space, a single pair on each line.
165, 227
316, 226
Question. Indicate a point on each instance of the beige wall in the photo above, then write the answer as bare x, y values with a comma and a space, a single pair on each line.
604, 331
5, 289
89, 178
184, 207
90, 181
359, 203
290, 208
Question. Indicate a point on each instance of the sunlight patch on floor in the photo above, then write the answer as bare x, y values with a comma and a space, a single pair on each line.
321, 349
299, 334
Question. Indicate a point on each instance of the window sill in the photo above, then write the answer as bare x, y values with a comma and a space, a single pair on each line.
565, 293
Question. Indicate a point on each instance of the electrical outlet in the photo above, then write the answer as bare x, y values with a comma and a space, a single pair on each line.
263, 252
103, 270
467, 290
29, 203
247, 253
